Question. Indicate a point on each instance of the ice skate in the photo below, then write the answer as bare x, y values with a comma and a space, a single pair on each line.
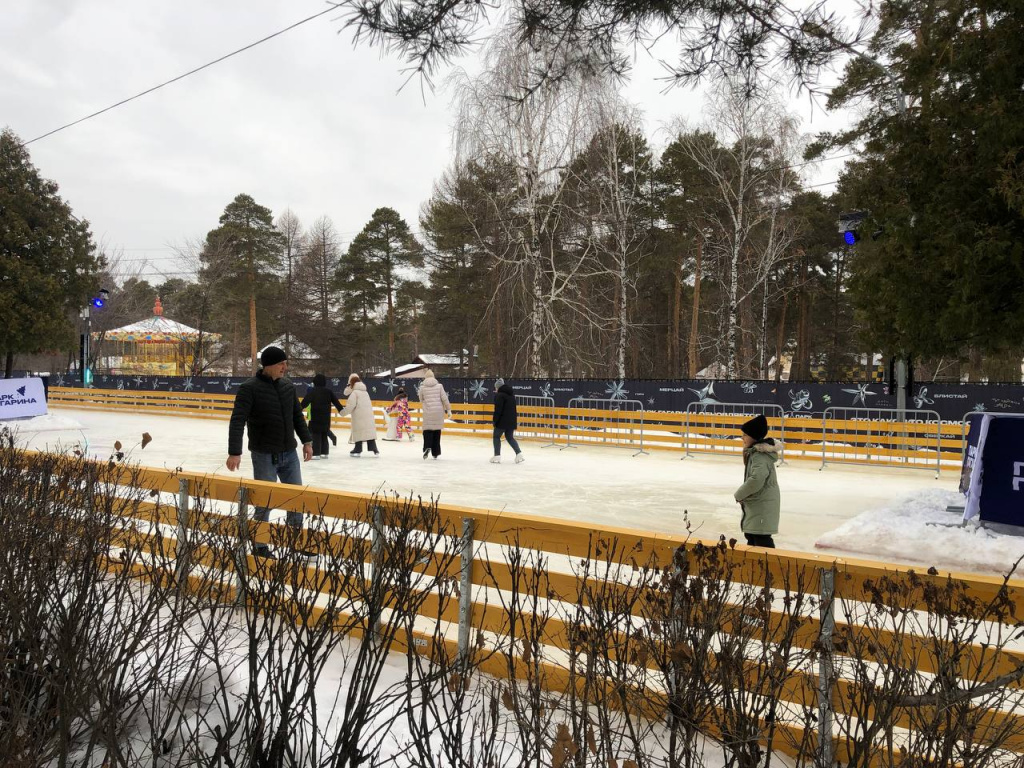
520, 458
495, 459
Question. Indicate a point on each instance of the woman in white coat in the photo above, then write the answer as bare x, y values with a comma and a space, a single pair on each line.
360, 408
435, 405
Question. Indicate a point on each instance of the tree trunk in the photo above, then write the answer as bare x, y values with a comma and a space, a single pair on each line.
253, 344
536, 321
620, 300
780, 338
763, 362
391, 331
9, 365
800, 370
695, 315
234, 346
675, 354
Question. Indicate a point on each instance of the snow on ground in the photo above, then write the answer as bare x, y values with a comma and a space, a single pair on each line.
879, 513
50, 422
918, 526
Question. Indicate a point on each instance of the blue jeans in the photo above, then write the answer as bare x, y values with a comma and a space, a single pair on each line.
273, 467
509, 438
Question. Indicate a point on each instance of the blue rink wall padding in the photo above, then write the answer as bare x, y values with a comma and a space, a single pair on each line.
797, 399
993, 476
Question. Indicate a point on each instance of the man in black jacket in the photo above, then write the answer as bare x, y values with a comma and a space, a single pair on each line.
505, 421
320, 399
267, 405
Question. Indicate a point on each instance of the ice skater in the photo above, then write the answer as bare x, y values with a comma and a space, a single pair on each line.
360, 408
266, 405
434, 401
320, 399
759, 496
504, 421
399, 408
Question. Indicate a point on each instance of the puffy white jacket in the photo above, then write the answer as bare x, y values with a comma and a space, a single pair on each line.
360, 407
434, 401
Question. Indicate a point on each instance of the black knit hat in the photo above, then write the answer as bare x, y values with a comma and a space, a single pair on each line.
757, 428
272, 356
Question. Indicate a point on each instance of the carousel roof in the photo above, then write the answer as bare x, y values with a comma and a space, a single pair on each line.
157, 329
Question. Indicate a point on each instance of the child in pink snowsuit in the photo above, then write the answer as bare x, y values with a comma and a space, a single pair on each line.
401, 407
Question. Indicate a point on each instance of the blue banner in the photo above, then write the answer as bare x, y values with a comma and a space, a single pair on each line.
1002, 476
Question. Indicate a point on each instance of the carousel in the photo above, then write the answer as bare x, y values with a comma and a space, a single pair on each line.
155, 346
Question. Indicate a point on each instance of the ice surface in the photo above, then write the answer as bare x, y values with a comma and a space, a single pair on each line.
880, 513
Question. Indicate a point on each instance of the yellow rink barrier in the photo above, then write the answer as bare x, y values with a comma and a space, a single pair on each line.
877, 442
832, 634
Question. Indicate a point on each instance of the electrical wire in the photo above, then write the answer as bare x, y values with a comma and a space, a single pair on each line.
181, 76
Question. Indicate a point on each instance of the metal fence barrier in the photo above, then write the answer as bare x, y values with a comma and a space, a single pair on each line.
768, 410
624, 428
536, 418
885, 429
965, 425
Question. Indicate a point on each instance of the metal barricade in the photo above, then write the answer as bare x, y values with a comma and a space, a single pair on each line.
881, 434
535, 417
731, 414
964, 425
590, 422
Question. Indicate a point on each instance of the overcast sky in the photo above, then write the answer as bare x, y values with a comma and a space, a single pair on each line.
305, 121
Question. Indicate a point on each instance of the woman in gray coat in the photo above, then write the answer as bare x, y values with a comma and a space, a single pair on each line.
435, 405
360, 407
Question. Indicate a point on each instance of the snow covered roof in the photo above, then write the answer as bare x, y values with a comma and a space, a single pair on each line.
156, 329
428, 359
400, 370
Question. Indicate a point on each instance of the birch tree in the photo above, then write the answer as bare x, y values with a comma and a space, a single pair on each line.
537, 131
292, 245
610, 180
748, 173
315, 288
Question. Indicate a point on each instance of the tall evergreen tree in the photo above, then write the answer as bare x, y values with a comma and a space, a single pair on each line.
454, 221
48, 262
248, 247
940, 176
380, 257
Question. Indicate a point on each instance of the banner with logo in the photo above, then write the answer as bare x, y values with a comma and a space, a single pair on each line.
996, 491
1002, 483
21, 398
808, 399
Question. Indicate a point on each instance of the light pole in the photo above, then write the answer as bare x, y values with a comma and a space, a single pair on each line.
97, 302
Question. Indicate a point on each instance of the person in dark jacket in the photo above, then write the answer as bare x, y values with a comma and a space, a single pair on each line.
320, 399
505, 421
268, 407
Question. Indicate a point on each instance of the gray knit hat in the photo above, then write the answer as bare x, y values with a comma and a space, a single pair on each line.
498, 382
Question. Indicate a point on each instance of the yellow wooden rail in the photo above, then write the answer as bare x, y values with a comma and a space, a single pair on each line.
857, 582
899, 444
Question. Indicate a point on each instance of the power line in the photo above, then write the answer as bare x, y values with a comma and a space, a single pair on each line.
182, 76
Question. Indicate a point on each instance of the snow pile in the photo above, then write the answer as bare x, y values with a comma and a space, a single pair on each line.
916, 529
50, 422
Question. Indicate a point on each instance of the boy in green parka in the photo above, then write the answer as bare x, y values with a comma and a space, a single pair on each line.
759, 495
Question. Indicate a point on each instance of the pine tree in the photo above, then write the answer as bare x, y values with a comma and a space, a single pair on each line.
377, 262
940, 177
246, 248
48, 262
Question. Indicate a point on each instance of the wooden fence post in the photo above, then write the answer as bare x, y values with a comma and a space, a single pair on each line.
242, 558
826, 672
466, 589
183, 543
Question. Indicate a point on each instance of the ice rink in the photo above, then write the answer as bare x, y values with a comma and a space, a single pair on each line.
892, 514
